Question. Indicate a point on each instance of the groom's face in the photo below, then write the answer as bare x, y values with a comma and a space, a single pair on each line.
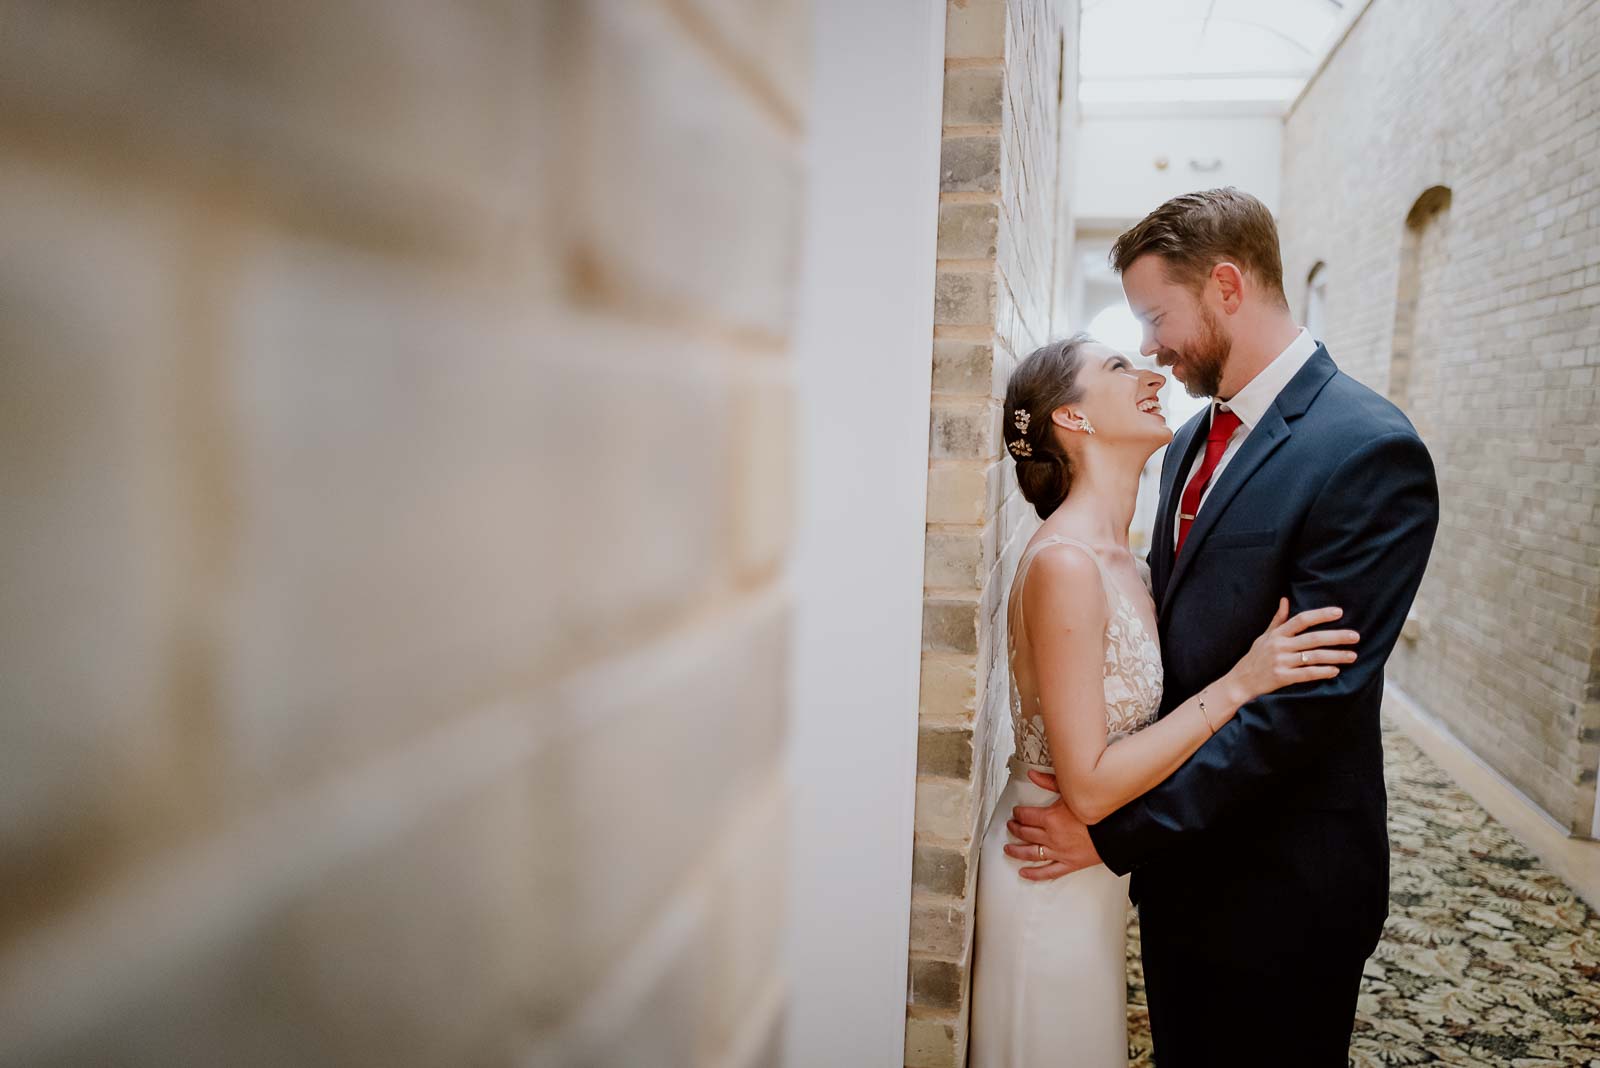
1180, 331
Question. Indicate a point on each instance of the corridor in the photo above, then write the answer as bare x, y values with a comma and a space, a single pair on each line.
1487, 959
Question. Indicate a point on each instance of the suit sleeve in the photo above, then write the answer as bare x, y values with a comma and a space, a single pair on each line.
1365, 546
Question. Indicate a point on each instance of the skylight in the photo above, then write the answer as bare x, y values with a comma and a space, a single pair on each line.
1142, 54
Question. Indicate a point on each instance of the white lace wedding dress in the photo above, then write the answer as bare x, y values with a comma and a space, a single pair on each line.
1049, 981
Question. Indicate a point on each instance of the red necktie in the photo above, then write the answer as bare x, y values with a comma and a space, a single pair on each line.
1223, 424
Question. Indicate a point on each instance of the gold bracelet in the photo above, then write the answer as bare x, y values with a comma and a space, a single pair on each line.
1202, 699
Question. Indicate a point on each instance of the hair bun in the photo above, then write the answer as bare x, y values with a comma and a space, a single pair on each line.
1041, 383
1044, 481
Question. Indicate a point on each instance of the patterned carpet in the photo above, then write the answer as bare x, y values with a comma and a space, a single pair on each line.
1487, 959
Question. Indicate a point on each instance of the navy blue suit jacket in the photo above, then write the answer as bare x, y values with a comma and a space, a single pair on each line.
1271, 843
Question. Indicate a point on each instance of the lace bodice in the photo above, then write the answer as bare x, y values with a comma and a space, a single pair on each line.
1132, 665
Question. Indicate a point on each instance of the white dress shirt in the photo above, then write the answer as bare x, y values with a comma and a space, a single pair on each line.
1250, 404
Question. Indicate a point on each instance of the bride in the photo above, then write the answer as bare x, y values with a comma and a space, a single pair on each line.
1048, 981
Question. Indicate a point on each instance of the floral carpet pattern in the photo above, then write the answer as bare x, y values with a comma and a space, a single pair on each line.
1487, 959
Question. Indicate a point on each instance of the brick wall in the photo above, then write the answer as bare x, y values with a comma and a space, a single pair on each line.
1500, 295
1004, 257
395, 430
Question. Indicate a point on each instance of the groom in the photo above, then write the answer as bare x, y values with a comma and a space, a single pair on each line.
1261, 866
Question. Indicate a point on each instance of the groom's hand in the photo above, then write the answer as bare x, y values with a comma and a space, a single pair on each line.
1063, 837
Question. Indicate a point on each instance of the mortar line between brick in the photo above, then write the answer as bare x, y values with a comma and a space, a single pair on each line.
599, 288
951, 593
923, 896
964, 331
955, 395
925, 838
943, 780
721, 51
945, 721
968, 196
952, 659
945, 726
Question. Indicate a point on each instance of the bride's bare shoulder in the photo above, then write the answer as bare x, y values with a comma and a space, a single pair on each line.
1064, 584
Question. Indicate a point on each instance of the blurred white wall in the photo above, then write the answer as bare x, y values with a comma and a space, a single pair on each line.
864, 375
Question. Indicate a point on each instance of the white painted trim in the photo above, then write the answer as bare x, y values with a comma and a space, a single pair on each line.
1594, 822
1574, 860
864, 370
1398, 700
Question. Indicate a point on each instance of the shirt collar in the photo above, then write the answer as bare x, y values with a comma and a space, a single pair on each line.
1250, 404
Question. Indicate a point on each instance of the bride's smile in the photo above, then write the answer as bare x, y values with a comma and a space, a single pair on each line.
1120, 401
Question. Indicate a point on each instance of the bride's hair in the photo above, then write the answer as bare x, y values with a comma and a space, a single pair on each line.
1043, 382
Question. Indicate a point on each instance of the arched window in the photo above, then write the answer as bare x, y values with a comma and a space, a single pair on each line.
1419, 251
1316, 300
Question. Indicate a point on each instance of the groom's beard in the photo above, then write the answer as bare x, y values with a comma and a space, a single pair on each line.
1205, 360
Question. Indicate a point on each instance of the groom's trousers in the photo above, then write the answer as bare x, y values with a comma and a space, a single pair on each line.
1208, 1014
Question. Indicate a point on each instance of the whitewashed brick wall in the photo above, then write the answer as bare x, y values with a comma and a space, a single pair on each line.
1004, 245
1498, 103
395, 422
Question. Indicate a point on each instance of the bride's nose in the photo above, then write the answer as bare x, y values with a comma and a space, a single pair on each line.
1154, 378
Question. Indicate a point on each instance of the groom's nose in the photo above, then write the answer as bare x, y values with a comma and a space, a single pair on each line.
1147, 343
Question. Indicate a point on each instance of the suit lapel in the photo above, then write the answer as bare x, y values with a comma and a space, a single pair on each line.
1264, 440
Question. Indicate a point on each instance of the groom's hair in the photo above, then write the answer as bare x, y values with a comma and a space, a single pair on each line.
1194, 232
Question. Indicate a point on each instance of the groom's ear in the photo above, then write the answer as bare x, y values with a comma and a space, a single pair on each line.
1230, 285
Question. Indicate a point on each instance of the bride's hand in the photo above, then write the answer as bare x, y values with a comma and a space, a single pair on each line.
1288, 652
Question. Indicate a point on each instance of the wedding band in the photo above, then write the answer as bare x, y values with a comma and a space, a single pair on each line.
1041, 852
1304, 659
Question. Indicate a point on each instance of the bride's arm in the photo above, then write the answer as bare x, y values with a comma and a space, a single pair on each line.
1065, 614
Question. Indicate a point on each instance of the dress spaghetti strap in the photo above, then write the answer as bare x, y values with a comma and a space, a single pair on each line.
1015, 620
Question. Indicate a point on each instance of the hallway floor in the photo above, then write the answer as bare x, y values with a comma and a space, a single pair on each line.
1487, 958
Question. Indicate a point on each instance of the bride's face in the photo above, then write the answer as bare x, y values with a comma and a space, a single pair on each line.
1119, 400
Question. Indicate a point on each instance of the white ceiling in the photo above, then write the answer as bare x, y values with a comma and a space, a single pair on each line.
1143, 54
